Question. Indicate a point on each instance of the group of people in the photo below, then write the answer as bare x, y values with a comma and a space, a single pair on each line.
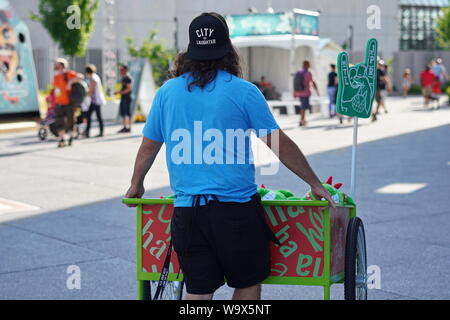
303, 81
73, 92
432, 78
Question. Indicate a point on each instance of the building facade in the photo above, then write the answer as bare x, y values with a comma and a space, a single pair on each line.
348, 23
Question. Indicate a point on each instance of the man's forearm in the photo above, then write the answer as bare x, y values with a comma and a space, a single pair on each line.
144, 160
292, 157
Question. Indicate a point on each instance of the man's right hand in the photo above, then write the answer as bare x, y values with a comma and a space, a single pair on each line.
134, 192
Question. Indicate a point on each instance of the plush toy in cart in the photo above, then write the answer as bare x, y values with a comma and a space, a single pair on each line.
339, 197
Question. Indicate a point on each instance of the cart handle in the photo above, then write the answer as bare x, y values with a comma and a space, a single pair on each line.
306, 203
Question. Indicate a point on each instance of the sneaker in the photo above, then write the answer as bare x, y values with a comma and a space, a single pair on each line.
61, 143
123, 130
127, 130
99, 135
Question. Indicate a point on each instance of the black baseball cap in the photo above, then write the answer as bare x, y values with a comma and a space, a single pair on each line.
209, 37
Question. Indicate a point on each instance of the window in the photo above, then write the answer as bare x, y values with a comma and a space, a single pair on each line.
417, 27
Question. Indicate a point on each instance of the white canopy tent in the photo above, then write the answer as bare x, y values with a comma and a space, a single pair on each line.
276, 49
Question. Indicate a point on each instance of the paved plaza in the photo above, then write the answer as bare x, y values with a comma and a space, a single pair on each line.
62, 207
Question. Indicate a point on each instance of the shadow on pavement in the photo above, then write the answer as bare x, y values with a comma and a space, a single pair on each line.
407, 234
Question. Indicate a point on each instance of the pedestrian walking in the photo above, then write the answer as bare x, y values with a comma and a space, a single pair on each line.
382, 84
442, 77
97, 99
332, 90
218, 227
63, 81
303, 81
427, 78
407, 80
125, 99
440, 71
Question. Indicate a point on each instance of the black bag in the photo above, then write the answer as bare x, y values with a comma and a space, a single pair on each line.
77, 93
299, 81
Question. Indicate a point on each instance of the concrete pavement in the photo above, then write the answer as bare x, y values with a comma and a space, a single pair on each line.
81, 221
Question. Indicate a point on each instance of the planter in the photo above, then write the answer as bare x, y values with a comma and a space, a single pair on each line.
110, 110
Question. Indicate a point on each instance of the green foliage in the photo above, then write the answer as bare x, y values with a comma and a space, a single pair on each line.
58, 20
160, 57
446, 88
443, 28
415, 89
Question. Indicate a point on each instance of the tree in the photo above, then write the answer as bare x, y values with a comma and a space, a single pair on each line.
443, 28
154, 50
69, 23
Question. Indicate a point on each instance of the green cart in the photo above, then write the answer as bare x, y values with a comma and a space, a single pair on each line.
320, 246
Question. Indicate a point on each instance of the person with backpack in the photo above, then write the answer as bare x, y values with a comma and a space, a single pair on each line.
97, 99
302, 89
218, 229
68, 97
332, 89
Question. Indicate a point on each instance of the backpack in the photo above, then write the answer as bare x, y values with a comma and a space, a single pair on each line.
77, 93
299, 81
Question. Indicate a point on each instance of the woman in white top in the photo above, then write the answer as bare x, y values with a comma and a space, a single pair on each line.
407, 80
97, 98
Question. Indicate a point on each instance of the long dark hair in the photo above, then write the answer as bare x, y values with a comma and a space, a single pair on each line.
205, 71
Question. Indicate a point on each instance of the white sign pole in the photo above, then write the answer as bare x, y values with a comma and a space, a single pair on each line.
355, 144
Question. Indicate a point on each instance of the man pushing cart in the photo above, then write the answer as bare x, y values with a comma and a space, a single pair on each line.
216, 224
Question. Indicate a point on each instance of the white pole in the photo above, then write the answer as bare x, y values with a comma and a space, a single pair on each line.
355, 143
292, 70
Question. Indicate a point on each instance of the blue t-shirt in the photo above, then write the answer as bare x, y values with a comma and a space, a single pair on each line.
207, 136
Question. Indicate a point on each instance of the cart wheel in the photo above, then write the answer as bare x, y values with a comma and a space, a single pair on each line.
172, 291
42, 134
355, 283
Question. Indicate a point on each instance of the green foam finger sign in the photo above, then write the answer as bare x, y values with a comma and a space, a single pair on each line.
357, 84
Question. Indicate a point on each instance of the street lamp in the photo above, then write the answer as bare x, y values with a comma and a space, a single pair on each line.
350, 37
175, 34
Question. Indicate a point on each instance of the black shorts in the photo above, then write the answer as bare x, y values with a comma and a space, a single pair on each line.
64, 117
304, 103
125, 107
379, 95
225, 240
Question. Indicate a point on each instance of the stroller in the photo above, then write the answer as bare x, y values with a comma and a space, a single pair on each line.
48, 123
